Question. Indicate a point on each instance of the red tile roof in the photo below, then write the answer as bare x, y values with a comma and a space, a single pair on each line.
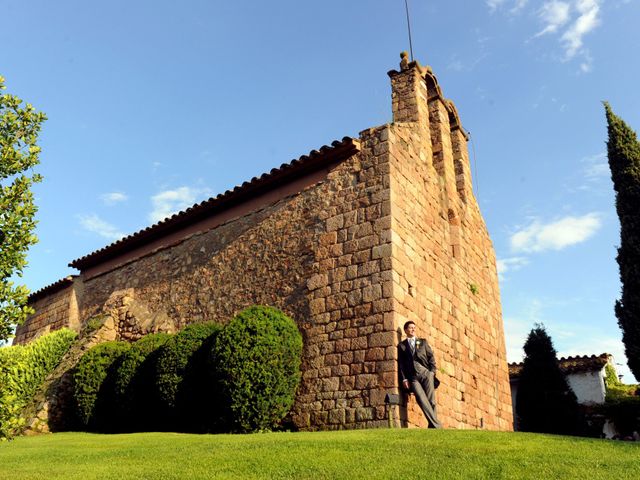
570, 364
52, 288
314, 161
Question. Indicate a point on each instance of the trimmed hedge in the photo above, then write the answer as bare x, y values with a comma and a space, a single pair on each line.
180, 378
23, 370
206, 378
127, 404
89, 378
258, 357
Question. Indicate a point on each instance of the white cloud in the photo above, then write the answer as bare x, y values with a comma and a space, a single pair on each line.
597, 167
587, 20
95, 224
594, 175
458, 65
557, 235
597, 170
517, 328
168, 202
586, 65
517, 5
554, 15
515, 333
510, 264
112, 198
494, 4
572, 19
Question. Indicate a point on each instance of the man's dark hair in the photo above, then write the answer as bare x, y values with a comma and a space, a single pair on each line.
406, 324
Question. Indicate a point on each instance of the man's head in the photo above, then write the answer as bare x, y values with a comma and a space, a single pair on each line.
410, 328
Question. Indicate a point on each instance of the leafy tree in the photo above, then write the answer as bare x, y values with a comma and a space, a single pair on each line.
19, 129
544, 403
623, 150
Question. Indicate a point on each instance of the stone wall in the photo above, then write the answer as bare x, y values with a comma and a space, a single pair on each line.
444, 269
260, 258
349, 338
55, 307
322, 256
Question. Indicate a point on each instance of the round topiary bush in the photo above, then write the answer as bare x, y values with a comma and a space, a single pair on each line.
257, 358
132, 381
89, 376
180, 375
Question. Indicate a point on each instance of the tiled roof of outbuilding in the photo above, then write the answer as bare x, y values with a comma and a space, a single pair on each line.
315, 160
52, 288
568, 365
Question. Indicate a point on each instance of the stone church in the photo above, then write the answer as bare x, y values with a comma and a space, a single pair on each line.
350, 240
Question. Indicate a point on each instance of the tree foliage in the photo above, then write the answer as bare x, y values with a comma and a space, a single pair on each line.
623, 150
19, 128
544, 403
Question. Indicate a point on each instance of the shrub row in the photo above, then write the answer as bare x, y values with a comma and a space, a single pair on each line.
23, 369
206, 378
90, 379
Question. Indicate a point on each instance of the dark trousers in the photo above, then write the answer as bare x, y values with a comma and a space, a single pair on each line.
422, 387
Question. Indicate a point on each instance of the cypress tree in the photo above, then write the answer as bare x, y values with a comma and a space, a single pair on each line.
623, 150
544, 403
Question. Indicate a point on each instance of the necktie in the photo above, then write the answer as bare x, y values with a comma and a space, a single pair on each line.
413, 345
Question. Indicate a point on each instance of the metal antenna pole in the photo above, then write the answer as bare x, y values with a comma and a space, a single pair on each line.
406, 6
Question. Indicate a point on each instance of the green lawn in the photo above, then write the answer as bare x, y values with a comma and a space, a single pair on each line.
368, 454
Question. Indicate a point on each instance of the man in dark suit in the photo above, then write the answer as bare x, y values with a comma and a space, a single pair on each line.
417, 367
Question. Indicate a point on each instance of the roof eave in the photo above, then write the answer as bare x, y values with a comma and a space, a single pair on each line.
315, 160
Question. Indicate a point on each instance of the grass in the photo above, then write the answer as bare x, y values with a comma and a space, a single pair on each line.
366, 454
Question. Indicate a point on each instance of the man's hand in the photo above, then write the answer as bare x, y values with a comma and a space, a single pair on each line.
405, 384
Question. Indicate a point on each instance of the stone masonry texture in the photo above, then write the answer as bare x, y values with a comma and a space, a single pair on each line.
391, 233
55, 309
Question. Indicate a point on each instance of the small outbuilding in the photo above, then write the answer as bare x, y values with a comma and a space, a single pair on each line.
585, 375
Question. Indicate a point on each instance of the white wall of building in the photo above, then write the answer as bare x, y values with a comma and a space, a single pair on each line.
588, 386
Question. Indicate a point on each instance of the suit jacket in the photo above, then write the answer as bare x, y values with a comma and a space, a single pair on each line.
423, 355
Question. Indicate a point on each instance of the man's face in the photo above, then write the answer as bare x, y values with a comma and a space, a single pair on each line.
410, 330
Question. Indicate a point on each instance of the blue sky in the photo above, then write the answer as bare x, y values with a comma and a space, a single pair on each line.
156, 105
